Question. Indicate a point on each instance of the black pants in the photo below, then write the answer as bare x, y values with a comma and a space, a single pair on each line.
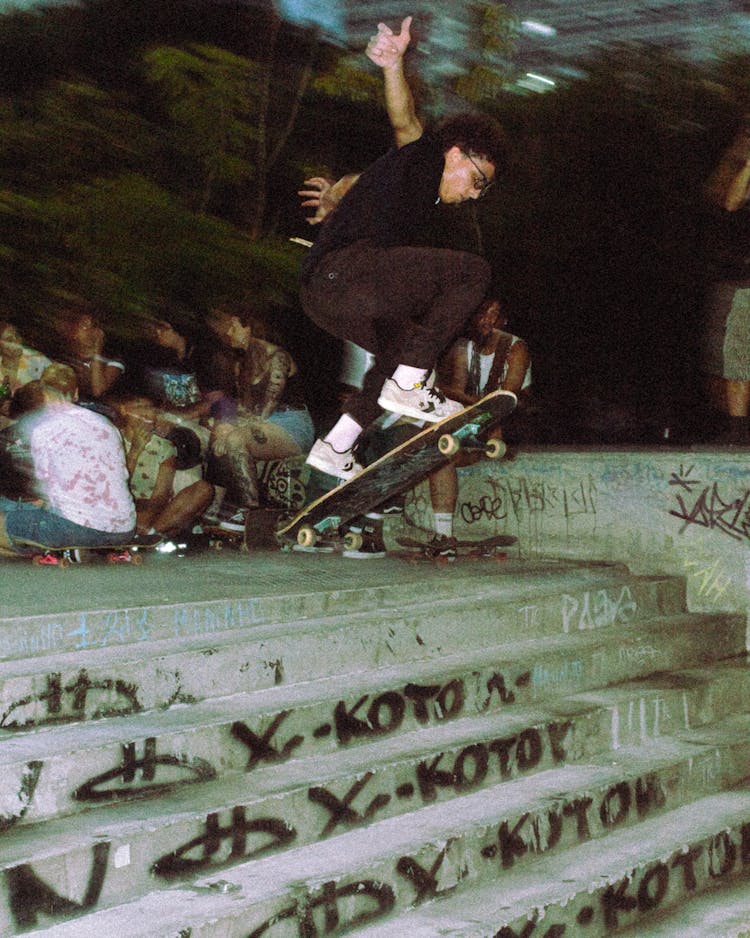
403, 304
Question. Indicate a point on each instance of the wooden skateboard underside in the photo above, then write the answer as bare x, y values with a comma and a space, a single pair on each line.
401, 469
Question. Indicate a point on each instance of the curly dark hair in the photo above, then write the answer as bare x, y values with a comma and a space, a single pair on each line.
477, 134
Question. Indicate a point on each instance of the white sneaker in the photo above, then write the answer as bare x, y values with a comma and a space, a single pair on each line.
341, 465
420, 401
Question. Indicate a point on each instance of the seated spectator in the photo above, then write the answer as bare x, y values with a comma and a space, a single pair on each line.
80, 478
16, 467
160, 369
269, 419
82, 346
725, 348
489, 359
215, 362
19, 364
152, 462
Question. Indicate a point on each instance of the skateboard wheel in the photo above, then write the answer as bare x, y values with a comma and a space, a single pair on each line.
495, 449
48, 560
307, 536
448, 445
123, 556
353, 540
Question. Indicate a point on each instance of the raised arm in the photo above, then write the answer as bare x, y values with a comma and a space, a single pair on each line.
386, 49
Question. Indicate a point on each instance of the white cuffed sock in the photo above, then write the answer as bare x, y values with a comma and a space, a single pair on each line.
344, 434
443, 523
406, 376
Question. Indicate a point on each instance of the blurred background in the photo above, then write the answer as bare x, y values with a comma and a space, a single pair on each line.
151, 152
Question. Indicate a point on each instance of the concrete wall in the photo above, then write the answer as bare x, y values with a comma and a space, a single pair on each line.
657, 510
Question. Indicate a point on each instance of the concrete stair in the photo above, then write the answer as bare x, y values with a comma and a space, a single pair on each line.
493, 750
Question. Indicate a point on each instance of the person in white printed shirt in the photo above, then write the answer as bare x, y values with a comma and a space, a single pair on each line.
80, 477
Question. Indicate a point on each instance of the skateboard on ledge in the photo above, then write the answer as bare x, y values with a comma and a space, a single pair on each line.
329, 517
480, 547
131, 553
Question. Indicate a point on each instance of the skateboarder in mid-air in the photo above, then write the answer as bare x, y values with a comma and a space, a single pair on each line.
378, 274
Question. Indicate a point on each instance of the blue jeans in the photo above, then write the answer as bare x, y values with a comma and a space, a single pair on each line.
29, 523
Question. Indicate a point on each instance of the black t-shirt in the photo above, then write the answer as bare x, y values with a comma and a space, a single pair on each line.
394, 202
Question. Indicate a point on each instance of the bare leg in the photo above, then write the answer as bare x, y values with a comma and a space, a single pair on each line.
738, 398
444, 481
266, 440
244, 472
245, 445
444, 489
185, 508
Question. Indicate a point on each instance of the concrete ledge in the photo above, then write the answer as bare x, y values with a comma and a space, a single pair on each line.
679, 511
131, 678
723, 912
84, 609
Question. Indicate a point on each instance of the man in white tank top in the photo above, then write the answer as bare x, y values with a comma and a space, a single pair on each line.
488, 360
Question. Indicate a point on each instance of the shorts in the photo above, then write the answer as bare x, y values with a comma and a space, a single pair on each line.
727, 340
26, 522
298, 424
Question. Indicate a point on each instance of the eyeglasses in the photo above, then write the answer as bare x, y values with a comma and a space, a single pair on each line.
482, 184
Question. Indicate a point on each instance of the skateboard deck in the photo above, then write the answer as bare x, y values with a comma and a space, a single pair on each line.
400, 469
42, 555
479, 546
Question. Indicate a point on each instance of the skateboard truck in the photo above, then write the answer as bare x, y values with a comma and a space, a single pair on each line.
449, 445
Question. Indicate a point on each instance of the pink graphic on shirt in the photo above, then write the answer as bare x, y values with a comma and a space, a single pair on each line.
79, 463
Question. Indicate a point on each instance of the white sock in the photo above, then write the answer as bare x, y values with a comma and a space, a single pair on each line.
344, 434
407, 376
443, 523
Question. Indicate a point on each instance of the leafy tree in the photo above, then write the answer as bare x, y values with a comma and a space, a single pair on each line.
492, 65
69, 131
209, 107
279, 93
